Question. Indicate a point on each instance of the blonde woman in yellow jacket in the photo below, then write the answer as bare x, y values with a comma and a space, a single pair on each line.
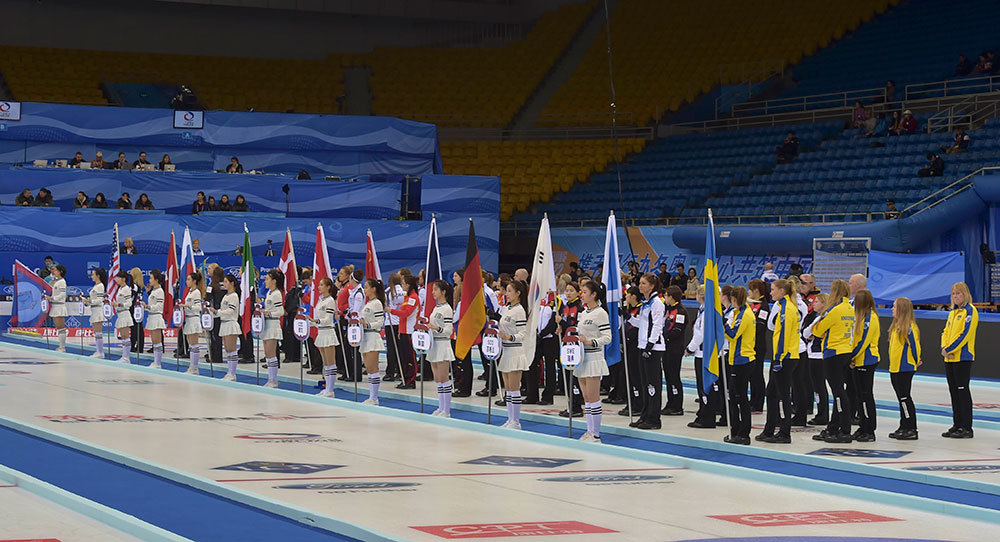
741, 332
904, 358
958, 346
785, 341
865, 358
836, 329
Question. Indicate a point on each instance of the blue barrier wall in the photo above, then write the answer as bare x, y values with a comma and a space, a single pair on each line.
274, 142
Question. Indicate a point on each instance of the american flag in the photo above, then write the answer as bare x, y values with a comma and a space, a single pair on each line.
114, 268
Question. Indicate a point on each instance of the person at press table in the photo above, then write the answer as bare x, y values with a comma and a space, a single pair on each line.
569, 318
513, 359
836, 329
193, 304
372, 321
124, 202
24, 199
200, 204
138, 338
234, 166
673, 333
211, 204
325, 318
100, 202
594, 331
121, 162
865, 358
44, 198
138, 164
273, 309
155, 323
650, 321
958, 346
81, 201
96, 303
785, 343
757, 299
128, 246
57, 304
441, 354
406, 315
226, 313
76, 160
224, 203
904, 358
144, 204
240, 205
814, 351
123, 306
741, 332
213, 296
165, 161
98, 161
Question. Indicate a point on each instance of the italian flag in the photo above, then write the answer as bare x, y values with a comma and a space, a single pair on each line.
248, 279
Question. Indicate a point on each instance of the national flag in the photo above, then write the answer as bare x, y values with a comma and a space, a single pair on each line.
543, 281
714, 334
187, 262
472, 318
28, 291
169, 289
321, 265
611, 276
248, 282
372, 269
287, 264
432, 269
114, 268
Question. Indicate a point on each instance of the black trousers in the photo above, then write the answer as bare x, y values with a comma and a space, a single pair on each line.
802, 395
706, 413
902, 384
407, 356
490, 368
137, 338
852, 392
758, 389
246, 347
818, 376
289, 344
840, 419
652, 390
215, 342
315, 358
958, 374
548, 351
739, 402
672, 373
779, 399
391, 346
462, 369
864, 381
530, 379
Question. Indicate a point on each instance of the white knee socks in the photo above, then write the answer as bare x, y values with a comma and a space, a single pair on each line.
232, 359
195, 351
63, 333
157, 353
330, 375
126, 346
444, 397
99, 340
593, 412
374, 381
514, 406
272, 370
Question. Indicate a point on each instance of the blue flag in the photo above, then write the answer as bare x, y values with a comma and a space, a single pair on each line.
611, 276
711, 346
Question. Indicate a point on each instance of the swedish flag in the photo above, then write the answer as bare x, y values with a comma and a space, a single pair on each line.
711, 347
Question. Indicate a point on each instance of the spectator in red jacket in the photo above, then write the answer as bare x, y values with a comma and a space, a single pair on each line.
909, 124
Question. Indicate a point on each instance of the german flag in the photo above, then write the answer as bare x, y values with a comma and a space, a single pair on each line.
472, 318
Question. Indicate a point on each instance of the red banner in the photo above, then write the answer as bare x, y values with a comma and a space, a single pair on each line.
496, 530
804, 518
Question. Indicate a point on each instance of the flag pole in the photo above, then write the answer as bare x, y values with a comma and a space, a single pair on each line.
724, 388
621, 332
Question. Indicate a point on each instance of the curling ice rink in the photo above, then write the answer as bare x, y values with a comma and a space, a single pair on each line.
399, 475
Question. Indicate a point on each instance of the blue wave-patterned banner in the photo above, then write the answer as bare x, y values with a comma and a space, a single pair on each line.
174, 192
461, 193
280, 142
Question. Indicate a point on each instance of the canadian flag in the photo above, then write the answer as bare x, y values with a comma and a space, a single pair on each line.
287, 264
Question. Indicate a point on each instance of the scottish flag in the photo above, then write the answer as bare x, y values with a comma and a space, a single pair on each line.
611, 276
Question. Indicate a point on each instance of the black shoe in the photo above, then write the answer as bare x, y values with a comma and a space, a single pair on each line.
647, 426
799, 422
624, 412
764, 437
462, 394
545, 401
576, 413
907, 434
855, 421
485, 393
962, 433
635, 423
389, 378
529, 401
818, 421
781, 439
950, 433
822, 435
721, 422
702, 425
500, 402
672, 412
245, 361
745, 441
895, 434
406, 386
865, 437
314, 372
839, 438
481, 377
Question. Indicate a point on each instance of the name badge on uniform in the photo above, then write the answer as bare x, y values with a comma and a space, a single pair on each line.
257, 323
45, 305
492, 348
137, 313
206, 321
178, 317
107, 311
763, 314
421, 341
301, 328
679, 319
354, 334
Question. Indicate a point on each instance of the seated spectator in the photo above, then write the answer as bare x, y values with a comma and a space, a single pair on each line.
303, 175
25, 199
895, 124
81, 201
122, 163
789, 149
984, 66
241, 204
877, 126
934, 167
234, 166
165, 161
98, 161
144, 204
200, 204
890, 210
961, 143
909, 124
124, 202
211, 204
44, 198
224, 204
75, 162
889, 93
964, 67
128, 247
99, 202
860, 115
141, 161
196, 247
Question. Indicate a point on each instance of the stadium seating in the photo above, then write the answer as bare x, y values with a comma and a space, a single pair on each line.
532, 170
915, 42
667, 53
